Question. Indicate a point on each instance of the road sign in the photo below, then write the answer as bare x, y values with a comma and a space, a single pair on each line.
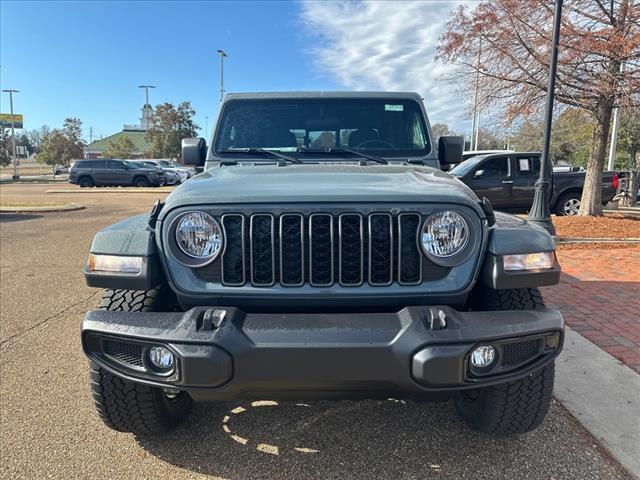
6, 119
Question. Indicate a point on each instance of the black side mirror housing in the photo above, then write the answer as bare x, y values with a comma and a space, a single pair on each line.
450, 150
194, 151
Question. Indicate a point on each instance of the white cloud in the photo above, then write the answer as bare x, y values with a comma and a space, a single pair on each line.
385, 45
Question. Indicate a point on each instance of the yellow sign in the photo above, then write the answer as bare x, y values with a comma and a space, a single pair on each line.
6, 119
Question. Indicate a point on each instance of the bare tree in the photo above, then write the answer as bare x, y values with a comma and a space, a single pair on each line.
597, 39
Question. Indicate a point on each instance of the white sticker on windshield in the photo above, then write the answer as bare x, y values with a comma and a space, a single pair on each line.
393, 108
524, 164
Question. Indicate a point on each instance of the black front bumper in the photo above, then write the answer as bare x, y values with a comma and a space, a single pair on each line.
322, 355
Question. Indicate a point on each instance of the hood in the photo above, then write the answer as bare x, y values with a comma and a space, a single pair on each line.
321, 183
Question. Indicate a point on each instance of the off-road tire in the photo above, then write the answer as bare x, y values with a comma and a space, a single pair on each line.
514, 407
141, 182
128, 406
85, 182
487, 299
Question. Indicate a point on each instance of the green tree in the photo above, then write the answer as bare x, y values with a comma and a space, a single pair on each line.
169, 125
122, 147
440, 130
61, 146
5, 147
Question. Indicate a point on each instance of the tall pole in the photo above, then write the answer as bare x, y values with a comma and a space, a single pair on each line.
13, 134
222, 55
206, 126
540, 213
476, 113
614, 132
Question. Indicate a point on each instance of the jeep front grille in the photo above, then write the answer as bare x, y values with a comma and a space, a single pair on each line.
321, 249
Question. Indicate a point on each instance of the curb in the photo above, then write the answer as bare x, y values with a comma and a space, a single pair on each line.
603, 395
114, 190
569, 240
69, 207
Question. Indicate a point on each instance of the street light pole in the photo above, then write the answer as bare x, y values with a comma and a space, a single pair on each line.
222, 55
13, 134
146, 88
540, 213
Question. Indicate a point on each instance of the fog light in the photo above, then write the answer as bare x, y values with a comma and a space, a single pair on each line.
162, 358
483, 356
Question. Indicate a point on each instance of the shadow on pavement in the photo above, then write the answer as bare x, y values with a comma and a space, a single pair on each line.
368, 439
17, 217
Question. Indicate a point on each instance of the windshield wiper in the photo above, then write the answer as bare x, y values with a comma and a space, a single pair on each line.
339, 151
274, 153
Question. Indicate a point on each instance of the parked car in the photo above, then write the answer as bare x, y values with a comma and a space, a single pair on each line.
287, 270
108, 173
173, 175
508, 181
167, 164
60, 169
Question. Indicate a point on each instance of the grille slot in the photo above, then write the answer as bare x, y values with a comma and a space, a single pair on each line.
321, 250
233, 258
516, 353
380, 249
124, 352
292, 250
351, 256
262, 250
409, 257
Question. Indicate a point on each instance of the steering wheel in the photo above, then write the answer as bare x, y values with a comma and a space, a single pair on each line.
376, 142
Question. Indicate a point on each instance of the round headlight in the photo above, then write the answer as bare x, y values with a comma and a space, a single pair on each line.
444, 234
199, 236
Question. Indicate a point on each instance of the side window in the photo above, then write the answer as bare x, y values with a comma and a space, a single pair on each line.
116, 165
492, 168
92, 164
528, 166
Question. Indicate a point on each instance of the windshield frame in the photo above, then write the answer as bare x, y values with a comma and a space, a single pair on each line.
216, 152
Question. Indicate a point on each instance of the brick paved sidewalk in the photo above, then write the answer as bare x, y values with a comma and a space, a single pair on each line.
599, 297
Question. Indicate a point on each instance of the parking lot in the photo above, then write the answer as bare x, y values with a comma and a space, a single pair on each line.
49, 427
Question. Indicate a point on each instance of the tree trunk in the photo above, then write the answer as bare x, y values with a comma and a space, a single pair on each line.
591, 202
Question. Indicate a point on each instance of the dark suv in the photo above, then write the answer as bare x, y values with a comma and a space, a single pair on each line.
110, 173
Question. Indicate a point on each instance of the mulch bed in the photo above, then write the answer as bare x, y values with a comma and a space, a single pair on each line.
613, 226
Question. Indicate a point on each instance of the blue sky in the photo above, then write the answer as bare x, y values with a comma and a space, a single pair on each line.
86, 59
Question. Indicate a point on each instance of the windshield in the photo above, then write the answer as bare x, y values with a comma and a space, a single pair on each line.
384, 127
463, 168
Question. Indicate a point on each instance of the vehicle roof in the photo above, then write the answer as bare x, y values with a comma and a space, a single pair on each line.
322, 94
503, 152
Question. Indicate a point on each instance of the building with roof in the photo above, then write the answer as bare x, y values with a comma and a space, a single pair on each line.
135, 133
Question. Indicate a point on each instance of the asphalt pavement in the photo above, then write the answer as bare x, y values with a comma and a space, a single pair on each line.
49, 428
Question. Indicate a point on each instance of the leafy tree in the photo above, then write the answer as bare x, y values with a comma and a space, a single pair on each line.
5, 147
507, 43
169, 125
121, 147
61, 146
36, 136
440, 130
570, 137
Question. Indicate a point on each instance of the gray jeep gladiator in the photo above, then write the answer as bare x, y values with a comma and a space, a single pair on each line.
322, 253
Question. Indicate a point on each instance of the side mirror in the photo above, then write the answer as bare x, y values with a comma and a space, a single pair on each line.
478, 173
450, 150
194, 151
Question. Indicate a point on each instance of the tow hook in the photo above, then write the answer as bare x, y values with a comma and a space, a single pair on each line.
212, 318
436, 319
